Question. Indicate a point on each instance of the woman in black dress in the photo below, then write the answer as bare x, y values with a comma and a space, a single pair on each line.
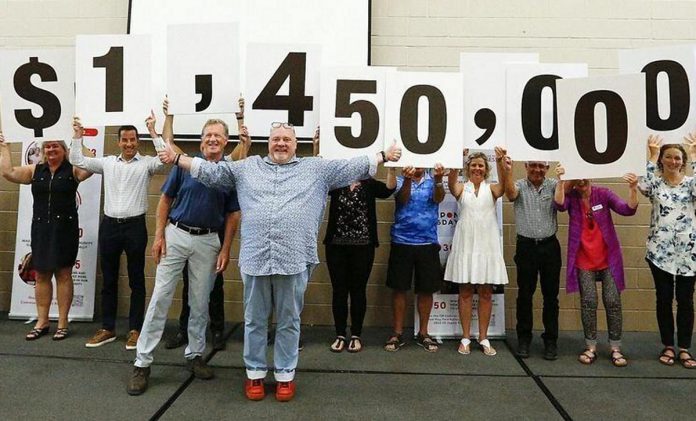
350, 241
54, 227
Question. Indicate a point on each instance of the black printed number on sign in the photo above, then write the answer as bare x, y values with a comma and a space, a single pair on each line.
112, 63
679, 95
368, 113
531, 113
437, 119
204, 88
617, 127
296, 103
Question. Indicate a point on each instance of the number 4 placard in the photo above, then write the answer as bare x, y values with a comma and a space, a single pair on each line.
113, 79
282, 84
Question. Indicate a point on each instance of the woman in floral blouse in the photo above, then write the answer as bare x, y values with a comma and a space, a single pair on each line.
671, 242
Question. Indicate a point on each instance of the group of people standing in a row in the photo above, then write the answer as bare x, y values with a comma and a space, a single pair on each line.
282, 197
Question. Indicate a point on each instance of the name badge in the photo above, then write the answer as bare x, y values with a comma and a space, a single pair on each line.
545, 197
595, 208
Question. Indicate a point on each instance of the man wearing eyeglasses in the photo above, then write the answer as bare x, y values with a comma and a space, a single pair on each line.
538, 253
282, 198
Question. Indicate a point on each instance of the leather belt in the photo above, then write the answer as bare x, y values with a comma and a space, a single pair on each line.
125, 220
192, 230
536, 241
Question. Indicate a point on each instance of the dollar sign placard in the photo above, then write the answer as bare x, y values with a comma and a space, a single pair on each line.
45, 99
37, 91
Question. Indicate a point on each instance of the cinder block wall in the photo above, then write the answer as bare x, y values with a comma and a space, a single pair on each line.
419, 35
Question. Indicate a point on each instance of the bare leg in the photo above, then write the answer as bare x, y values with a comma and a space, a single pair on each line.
64, 287
466, 292
485, 307
44, 294
399, 310
425, 304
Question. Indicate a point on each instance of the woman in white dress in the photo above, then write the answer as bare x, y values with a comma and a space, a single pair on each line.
476, 259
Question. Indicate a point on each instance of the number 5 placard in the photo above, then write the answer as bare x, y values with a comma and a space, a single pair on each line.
424, 114
282, 84
352, 110
113, 79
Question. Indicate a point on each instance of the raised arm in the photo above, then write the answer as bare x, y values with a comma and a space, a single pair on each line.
241, 151
632, 181
455, 187
559, 194
404, 193
650, 181
498, 189
20, 175
77, 152
511, 191
439, 190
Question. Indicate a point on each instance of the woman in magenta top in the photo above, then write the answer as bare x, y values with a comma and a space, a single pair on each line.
594, 255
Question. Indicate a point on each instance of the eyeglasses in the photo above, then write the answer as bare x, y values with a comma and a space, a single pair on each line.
278, 124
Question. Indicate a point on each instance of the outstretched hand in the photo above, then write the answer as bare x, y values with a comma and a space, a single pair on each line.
631, 179
393, 153
560, 171
78, 130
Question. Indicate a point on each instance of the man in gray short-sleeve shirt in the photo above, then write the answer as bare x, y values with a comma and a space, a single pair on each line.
538, 253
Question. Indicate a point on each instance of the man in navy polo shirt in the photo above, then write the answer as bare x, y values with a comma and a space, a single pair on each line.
189, 219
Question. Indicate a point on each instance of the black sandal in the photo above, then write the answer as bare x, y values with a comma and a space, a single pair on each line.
588, 356
36, 333
688, 362
667, 356
618, 359
339, 344
61, 333
355, 344
428, 344
394, 343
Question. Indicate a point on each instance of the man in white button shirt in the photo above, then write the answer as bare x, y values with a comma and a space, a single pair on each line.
126, 180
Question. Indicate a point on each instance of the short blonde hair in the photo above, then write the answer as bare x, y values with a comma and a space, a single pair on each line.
62, 145
485, 160
214, 121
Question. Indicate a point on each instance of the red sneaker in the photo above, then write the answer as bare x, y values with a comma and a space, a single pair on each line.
254, 389
285, 391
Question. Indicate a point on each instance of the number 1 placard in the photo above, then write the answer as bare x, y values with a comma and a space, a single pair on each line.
282, 84
113, 79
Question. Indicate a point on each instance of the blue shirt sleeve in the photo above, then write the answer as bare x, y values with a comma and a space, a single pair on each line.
231, 202
173, 183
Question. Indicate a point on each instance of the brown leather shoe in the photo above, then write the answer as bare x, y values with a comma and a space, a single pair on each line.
200, 369
132, 342
285, 391
138, 381
254, 389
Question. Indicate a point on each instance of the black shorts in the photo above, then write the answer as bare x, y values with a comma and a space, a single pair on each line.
423, 261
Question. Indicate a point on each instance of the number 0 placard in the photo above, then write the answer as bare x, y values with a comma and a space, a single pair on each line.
424, 114
113, 79
282, 84
602, 129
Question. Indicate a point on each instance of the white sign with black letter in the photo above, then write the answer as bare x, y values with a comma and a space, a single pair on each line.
203, 68
532, 127
484, 95
113, 79
352, 110
601, 123
670, 87
282, 84
424, 115
36, 87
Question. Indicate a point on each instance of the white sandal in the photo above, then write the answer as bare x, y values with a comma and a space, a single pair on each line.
464, 346
487, 348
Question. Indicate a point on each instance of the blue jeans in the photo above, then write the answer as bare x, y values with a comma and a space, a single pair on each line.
260, 293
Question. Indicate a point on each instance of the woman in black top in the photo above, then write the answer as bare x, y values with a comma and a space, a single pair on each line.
350, 241
54, 227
